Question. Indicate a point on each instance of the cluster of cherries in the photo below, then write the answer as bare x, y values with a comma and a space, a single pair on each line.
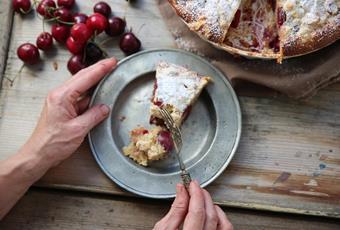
76, 30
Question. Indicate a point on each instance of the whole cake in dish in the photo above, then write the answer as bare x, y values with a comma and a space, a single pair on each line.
176, 89
265, 28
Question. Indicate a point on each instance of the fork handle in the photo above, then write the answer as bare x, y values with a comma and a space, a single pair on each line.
186, 179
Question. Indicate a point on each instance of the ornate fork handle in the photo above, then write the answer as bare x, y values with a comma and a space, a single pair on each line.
186, 178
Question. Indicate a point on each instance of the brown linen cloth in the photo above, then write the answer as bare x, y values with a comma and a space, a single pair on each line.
299, 77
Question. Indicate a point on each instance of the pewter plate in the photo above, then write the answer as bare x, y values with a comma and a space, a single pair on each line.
210, 135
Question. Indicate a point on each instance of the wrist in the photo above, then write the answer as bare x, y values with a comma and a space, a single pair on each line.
30, 163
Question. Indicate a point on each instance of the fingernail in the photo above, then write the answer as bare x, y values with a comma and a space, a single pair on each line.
105, 109
196, 182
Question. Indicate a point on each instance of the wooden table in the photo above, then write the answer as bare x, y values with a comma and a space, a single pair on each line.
288, 160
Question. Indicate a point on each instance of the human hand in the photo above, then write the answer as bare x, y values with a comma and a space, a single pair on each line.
196, 210
65, 120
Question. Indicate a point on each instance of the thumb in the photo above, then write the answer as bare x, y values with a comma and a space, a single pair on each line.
93, 116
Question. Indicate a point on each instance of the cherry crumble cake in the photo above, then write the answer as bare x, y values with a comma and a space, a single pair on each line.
263, 28
176, 88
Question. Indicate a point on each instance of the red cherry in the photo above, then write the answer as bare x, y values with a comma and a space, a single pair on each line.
80, 18
44, 41
81, 33
63, 15
60, 32
73, 46
66, 3
75, 64
46, 8
275, 44
164, 138
28, 53
116, 26
102, 8
93, 53
129, 43
21, 6
97, 22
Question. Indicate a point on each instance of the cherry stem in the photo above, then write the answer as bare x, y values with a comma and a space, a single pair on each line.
26, 12
19, 72
63, 22
36, 2
48, 20
95, 36
105, 41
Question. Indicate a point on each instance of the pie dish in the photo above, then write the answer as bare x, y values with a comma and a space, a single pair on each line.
264, 28
176, 89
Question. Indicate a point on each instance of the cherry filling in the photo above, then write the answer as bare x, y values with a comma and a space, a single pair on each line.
164, 138
138, 132
156, 121
236, 19
158, 103
275, 44
281, 16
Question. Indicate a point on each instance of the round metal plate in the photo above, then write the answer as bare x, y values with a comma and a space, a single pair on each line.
210, 135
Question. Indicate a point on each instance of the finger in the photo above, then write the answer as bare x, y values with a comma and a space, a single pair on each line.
211, 218
92, 117
88, 77
196, 214
223, 222
175, 217
83, 104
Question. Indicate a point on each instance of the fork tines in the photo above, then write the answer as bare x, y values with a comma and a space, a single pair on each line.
173, 128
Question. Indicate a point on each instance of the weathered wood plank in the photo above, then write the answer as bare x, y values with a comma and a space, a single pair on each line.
288, 159
44, 210
5, 32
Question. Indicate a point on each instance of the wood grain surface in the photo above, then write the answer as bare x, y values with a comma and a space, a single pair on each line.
5, 32
51, 210
289, 155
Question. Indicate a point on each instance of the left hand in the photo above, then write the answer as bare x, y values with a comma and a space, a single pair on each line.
65, 120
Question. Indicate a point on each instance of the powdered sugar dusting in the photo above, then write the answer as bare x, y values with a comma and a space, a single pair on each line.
304, 18
176, 85
212, 18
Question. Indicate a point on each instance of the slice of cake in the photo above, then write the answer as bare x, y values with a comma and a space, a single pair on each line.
176, 88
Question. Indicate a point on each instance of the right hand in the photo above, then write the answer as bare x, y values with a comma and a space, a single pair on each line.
196, 210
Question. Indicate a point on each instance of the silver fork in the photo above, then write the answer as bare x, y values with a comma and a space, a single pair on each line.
177, 140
